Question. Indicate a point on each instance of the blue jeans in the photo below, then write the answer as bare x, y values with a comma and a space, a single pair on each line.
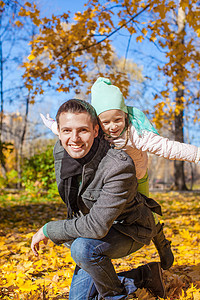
95, 276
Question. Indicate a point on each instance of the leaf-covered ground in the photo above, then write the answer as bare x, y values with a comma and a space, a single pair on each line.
23, 276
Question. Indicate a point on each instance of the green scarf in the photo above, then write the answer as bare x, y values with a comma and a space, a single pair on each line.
140, 121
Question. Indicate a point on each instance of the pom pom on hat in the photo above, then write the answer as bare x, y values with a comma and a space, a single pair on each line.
105, 96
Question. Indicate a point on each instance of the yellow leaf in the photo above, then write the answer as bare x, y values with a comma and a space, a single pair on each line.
28, 286
31, 57
175, 89
153, 38
144, 31
28, 4
18, 23
2, 4
29, 235
4, 253
140, 38
142, 4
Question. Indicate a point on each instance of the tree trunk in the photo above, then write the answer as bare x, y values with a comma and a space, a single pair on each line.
3, 166
192, 176
179, 176
20, 152
179, 180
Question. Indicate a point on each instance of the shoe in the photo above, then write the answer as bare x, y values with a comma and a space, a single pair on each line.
155, 286
164, 248
140, 275
147, 276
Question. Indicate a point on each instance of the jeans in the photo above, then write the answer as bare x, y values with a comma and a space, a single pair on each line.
95, 276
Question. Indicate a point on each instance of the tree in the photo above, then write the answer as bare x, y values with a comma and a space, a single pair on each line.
170, 25
14, 38
38, 170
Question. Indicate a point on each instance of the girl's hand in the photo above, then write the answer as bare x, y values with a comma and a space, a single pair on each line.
50, 123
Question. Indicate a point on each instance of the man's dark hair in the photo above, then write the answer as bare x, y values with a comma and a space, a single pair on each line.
77, 106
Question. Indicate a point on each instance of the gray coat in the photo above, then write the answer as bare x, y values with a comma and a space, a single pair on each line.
107, 197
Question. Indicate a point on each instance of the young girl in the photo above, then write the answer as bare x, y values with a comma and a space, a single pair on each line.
128, 128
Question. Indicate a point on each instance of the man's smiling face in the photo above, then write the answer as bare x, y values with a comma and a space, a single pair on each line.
77, 133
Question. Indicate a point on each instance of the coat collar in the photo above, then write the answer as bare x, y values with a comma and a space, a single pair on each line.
71, 167
90, 168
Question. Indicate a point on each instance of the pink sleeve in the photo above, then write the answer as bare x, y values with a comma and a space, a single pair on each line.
163, 147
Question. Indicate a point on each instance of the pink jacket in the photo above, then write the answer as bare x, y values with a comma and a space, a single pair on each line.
138, 146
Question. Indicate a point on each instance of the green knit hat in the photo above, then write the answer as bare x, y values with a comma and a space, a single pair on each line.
105, 96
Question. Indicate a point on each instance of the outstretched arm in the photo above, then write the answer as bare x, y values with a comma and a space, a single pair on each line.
50, 123
166, 148
37, 238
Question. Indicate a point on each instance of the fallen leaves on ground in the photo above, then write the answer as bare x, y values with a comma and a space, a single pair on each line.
23, 276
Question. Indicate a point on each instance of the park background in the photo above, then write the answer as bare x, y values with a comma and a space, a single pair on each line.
51, 51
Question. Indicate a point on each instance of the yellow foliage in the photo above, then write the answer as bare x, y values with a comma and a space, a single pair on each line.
23, 276
198, 32
66, 43
28, 4
18, 23
2, 4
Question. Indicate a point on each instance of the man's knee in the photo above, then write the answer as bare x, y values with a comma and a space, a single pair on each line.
82, 250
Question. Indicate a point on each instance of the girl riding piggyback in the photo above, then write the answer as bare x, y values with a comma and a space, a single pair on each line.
127, 128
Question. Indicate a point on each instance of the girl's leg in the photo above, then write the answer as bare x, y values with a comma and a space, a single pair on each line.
143, 185
162, 244
143, 188
94, 257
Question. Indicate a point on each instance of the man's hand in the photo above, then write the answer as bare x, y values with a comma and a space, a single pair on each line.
37, 238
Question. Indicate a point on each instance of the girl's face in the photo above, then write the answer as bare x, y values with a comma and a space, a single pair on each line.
112, 122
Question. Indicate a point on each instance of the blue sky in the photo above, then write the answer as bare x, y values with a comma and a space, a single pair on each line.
59, 6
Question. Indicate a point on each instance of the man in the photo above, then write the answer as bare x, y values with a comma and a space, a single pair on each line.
107, 218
